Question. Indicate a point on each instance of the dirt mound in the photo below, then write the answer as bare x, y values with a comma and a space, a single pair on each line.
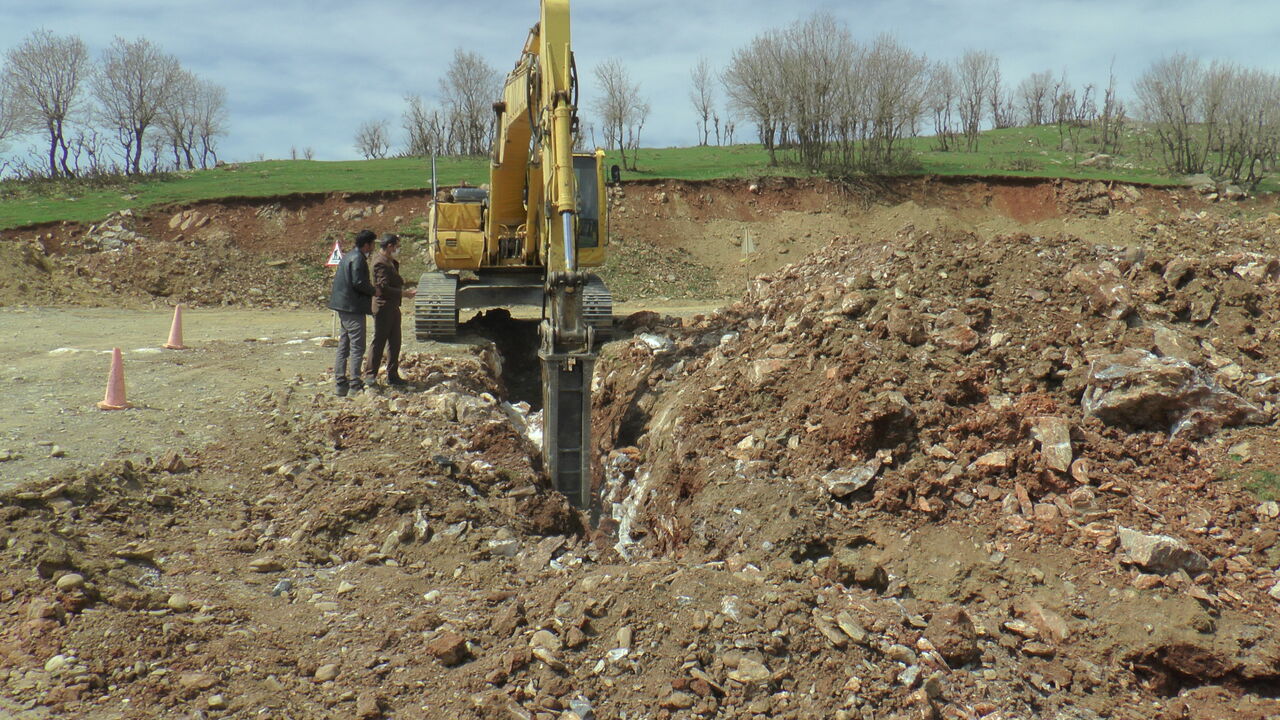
676, 239
151, 583
267, 252
903, 420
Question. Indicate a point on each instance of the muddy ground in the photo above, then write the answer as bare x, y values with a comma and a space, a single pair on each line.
868, 486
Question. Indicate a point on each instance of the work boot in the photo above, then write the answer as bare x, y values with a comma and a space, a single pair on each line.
396, 380
340, 391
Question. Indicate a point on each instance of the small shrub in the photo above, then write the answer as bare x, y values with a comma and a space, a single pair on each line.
1020, 165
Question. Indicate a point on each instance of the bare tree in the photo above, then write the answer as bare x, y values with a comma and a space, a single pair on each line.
469, 87
703, 96
1169, 97
897, 82
425, 129
814, 55
8, 111
1246, 133
976, 75
133, 85
1034, 95
942, 102
1061, 99
841, 106
621, 109
634, 127
1066, 108
753, 82
211, 119
1113, 115
178, 118
584, 137
88, 153
1216, 83
44, 76
372, 140
1001, 100
154, 162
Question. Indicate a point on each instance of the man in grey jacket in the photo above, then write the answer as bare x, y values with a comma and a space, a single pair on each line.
352, 298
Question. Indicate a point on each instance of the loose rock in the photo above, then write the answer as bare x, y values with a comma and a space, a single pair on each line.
1139, 390
449, 648
952, 632
266, 565
70, 581
1161, 553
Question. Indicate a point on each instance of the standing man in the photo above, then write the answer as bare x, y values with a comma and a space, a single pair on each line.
388, 289
352, 297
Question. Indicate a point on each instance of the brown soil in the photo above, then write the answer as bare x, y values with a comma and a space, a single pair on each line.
243, 253
399, 555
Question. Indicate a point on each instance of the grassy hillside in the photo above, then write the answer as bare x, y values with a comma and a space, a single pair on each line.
22, 204
1020, 152
1028, 152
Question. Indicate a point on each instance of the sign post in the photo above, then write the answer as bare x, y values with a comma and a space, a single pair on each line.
335, 259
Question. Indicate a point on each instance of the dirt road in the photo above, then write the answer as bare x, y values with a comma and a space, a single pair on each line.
55, 364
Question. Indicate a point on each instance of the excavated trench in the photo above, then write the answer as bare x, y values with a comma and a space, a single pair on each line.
515, 340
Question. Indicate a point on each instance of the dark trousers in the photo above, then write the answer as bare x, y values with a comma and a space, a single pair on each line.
346, 367
386, 333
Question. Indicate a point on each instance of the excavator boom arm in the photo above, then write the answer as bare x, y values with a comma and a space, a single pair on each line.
533, 223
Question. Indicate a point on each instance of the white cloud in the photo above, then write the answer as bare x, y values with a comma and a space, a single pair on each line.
307, 73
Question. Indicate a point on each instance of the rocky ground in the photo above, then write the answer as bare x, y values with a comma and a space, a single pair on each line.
989, 451
1062, 452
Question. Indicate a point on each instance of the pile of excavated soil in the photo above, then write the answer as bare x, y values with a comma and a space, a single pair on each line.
320, 533
944, 423
710, 239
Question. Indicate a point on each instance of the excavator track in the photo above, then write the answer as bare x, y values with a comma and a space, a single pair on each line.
597, 308
435, 309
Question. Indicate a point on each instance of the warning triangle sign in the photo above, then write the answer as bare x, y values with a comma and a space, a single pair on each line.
335, 257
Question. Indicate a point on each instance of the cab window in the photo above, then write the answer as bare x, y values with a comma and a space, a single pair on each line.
588, 199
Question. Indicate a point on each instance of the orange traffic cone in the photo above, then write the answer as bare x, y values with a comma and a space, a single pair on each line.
115, 385
175, 332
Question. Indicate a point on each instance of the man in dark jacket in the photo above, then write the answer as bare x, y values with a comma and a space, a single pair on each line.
352, 297
388, 289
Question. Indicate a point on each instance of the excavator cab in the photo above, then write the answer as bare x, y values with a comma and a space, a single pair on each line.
506, 260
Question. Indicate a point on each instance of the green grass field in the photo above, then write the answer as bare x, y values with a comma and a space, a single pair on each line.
24, 205
1027, 152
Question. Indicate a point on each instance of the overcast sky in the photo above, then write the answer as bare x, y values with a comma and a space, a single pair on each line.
307, 73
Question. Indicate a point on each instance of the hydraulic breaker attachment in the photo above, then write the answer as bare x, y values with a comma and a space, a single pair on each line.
567, 364
566, 432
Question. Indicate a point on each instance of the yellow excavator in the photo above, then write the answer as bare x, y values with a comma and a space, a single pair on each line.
526, 239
